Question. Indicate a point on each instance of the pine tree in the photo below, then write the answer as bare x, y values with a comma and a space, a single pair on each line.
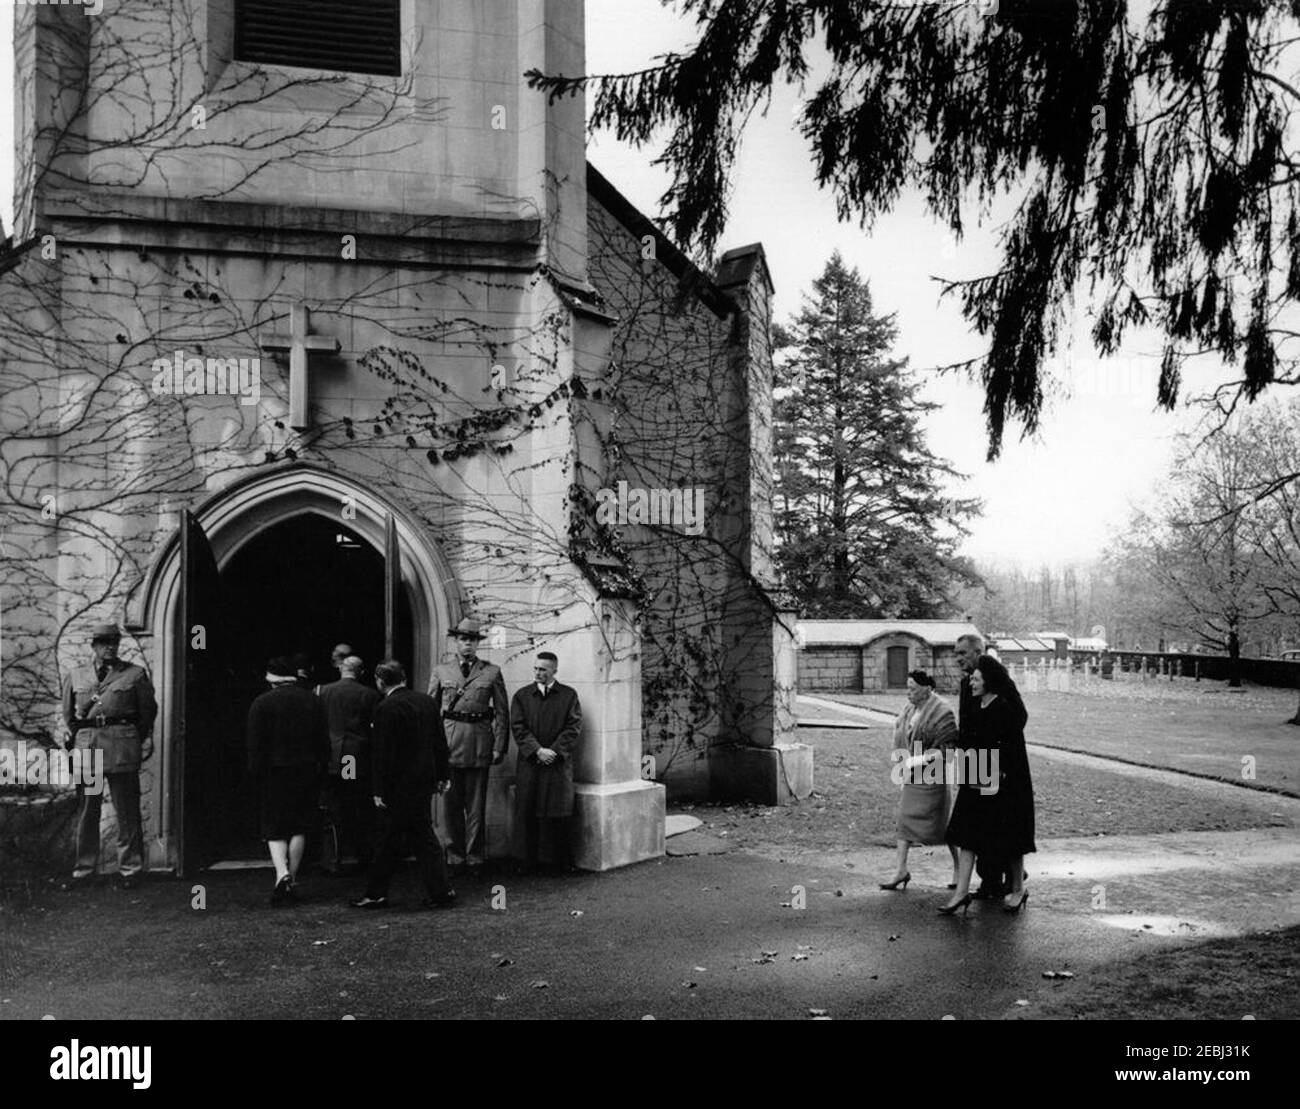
1148, 150
863, 529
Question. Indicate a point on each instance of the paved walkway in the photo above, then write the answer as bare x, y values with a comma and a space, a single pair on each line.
739, 933
1191, 884
742, 934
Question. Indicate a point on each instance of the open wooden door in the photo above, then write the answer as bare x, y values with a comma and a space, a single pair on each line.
201, 716
392, 586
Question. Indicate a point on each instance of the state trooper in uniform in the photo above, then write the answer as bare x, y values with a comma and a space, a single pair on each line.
471, 695
109, 705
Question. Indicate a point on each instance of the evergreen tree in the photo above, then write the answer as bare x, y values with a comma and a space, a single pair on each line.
1148, 148
863, 529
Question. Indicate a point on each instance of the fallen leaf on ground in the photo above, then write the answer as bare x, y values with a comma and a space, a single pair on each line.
799, 958
505, 962
575, 912
818, 1012
540, 984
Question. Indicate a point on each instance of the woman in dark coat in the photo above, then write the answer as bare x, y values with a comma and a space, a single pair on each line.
288, 748
993, 821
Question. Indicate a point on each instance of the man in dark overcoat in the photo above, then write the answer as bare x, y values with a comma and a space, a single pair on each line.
109, 707
408, 763
471, 695
349, 706
546, 721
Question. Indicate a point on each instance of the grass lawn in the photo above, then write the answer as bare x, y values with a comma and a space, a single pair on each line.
854, 803
1216, 980
1200, 728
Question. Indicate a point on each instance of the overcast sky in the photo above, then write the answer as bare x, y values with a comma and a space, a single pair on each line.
1054, 499
1051, 500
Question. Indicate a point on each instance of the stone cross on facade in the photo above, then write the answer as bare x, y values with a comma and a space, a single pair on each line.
300, 346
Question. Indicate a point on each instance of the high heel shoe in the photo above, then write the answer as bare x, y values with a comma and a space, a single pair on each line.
1024, 896
963, 905
897, 882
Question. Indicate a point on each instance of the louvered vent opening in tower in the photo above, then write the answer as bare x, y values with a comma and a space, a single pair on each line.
341, 35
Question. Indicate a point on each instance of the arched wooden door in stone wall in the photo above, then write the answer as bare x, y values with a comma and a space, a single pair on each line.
896, 667
205, 714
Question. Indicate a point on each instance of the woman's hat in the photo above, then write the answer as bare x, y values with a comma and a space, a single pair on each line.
280, 667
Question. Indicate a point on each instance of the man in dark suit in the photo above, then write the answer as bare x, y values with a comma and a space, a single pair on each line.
408, 763
546, 720
994, 879
349, 706
109, 707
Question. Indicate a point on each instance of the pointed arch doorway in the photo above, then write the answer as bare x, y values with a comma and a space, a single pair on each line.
293, 561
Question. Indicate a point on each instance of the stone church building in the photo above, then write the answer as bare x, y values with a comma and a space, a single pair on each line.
319, 327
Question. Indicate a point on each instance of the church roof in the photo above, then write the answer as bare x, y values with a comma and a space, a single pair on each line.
677, 263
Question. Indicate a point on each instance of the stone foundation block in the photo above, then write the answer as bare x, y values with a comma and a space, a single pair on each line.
618, 824
773, 775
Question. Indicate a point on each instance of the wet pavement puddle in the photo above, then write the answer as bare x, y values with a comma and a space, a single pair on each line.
1165, 925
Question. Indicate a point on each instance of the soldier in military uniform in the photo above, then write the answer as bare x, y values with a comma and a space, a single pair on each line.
109, 705
471, 694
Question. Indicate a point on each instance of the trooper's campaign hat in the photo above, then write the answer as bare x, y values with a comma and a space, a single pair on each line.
467, 628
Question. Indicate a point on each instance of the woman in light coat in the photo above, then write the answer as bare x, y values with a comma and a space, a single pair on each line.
922, 732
